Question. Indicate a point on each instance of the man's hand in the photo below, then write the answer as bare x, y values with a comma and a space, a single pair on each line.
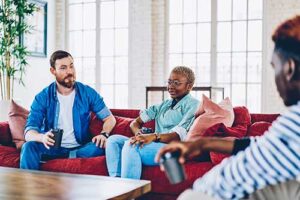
100, 141
142, 139
47, 139
186, 150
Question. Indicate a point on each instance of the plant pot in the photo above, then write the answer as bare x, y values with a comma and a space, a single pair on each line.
4, 108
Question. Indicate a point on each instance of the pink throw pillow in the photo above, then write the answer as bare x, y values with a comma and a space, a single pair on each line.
211, 114
17, 117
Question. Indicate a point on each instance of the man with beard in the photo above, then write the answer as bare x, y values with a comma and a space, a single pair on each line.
265, 167
65, 104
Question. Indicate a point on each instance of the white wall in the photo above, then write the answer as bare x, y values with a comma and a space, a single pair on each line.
140, 51
37, 73
275, 12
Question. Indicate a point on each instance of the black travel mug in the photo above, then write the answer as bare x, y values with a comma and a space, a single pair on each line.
57, 137
173, 169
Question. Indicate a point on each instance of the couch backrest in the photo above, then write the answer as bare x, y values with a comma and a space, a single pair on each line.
242, 122
255, 117
255, 123
239, 128
130, 113
260, 123
123, 117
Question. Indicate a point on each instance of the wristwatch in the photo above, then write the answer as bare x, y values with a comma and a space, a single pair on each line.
104, 134
157, 137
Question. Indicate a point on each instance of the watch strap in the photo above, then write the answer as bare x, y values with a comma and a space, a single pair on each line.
157, 137
104, 134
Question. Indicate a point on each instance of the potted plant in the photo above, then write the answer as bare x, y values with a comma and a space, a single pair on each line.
13, 54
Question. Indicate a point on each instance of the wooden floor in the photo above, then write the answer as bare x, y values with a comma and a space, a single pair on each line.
33, 185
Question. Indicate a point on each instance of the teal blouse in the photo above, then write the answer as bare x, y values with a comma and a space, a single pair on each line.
177, 119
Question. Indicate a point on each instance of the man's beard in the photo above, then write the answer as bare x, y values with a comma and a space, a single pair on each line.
66, 82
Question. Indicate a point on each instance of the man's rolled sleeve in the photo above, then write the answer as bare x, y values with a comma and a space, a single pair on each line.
29, 128
97, 104
104, 113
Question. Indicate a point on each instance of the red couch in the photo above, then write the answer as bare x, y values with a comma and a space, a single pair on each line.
245, 124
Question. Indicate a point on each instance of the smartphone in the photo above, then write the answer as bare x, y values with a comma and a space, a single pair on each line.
146, 130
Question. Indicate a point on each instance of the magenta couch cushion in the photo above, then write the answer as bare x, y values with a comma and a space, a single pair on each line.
5, 135
239, 128
122, 126
241, 116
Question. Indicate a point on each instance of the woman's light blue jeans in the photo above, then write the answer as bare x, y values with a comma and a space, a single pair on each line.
124, 160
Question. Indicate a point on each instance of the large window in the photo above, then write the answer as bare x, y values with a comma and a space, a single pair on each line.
190, 37
98, 40
222, 41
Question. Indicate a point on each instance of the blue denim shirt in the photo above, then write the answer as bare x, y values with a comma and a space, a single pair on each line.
44, 111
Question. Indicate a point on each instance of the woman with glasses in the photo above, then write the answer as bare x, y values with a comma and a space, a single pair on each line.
173, 117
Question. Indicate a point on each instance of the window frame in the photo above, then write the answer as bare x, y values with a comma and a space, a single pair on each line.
213, 48
98, 57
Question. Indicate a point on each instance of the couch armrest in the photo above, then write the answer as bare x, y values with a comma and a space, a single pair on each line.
5, 135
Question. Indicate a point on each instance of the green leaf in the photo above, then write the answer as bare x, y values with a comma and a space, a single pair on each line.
12, 26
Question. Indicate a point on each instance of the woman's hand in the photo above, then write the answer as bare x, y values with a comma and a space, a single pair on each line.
142, 139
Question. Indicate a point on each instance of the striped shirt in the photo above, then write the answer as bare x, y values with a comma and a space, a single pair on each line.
270, 159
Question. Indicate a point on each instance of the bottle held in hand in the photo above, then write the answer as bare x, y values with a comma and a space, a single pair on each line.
173, 169
57, 137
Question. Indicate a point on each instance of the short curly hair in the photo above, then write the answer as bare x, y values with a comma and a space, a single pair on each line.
185, 71
287, 39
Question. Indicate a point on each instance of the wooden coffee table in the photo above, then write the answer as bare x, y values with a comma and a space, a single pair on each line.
28, 184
